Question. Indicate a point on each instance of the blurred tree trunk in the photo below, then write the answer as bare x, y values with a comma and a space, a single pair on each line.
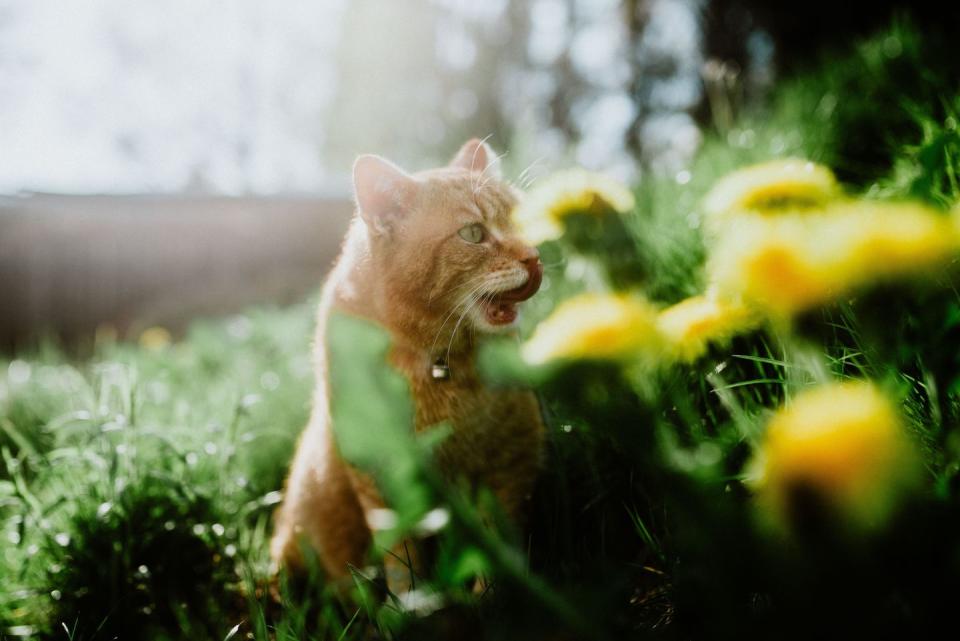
801, 29
636, 14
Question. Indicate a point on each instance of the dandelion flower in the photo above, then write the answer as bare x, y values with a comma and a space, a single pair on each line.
892, 239
155, 338
594, 326
841, 446
772, 265
792, 263
540, 215
691, 325
771, 186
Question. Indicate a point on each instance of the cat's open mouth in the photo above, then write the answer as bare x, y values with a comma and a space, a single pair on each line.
502, 308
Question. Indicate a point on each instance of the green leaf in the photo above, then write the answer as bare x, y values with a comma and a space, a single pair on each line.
500, 364
373, 419
471, 563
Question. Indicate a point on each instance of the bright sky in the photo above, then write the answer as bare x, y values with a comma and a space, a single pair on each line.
126, 96
138, 95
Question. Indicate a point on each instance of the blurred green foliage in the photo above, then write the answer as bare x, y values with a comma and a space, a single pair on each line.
372, 415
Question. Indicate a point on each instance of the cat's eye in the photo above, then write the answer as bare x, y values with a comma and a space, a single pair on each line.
474, 233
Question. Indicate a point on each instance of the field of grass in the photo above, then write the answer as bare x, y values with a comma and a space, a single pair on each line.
137, 486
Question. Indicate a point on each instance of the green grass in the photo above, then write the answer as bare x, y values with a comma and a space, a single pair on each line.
137, 486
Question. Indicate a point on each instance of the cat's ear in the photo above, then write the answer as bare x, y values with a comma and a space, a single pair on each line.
383, 191
476, 155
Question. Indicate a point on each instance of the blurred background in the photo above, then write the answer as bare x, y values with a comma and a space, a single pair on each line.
162, 161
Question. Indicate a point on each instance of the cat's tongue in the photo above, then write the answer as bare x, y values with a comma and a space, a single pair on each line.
526, 290
502, 310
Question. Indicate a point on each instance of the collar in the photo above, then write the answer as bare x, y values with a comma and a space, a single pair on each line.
440, 370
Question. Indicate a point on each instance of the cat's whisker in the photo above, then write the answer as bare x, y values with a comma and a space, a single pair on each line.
453, 334
450, 315
471, 300
463, 285
494, 280
491, 176
529, 179
473, 161
469, 282
466, 310
482, 281
491, 278
485, 298
479, 283
525, 175
478, 185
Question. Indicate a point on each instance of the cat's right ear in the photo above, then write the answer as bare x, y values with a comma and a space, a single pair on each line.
383, 191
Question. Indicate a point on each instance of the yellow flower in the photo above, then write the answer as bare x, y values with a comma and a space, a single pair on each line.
155, 338
539, 216
771, 186
791, 263
594, 326
689, 326
769, 262
899, 238
842, 446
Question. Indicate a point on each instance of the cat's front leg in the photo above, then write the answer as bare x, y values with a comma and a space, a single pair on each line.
320, 511
402, 563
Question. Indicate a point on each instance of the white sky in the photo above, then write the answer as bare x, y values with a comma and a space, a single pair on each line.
140, 95
231, 96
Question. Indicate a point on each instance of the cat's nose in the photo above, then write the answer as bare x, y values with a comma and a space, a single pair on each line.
534, 267
530, 257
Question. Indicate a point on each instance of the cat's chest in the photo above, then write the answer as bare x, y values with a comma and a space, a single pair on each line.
493, 431
462, 400
495, 434
465, 402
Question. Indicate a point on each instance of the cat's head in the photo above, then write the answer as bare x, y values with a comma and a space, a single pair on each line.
443, 244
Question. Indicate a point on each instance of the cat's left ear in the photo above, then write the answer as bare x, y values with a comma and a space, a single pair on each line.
476, 155
384, 192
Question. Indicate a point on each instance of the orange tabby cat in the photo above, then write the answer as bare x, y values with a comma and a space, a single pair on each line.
432, 258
